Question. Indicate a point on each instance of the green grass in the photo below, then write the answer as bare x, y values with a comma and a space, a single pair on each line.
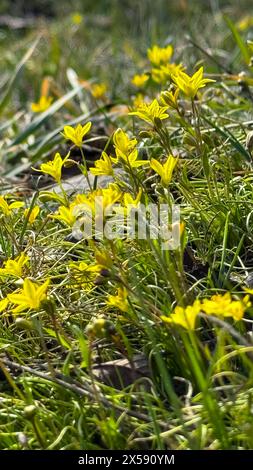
194, 389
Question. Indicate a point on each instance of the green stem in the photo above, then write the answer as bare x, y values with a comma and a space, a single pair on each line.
85, 169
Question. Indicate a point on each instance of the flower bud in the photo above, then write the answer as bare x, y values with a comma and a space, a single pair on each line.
30, 412
145, 134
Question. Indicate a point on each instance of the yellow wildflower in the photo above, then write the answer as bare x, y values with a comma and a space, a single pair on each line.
164, 171
151, 112
84, 274
54, 167
7, 208
77, 18
218, 304
100, 200
103, 166
66, 215
76, 134
185, 317
237, 308
98, 90
14, 267
42, 105
125, 149
245, 22
164, 73
160, 55
29, 297
120, 300
140, 80
225, 306
122, 143
168, 98
190, 85
137, 101
33, 214
130, 201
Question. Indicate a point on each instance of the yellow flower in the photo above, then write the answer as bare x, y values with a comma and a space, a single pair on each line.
104, 165
120, 300
137, 101
84, 274
77, 18
76, 134
237, 308
128, 199
170, 99
65, 214
245, 22
122, 143
14, 267
125, 149
130, 202
98, 90
140, 80
165, 72
190, 85
33, 214
164, 171
29, 297
185, 317
218, 304
151, 112
43, 104
7, 208
225, 306
54, 167
100, 200
160, 55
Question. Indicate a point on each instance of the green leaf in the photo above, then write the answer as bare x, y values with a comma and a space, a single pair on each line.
228, 135
62, 340
83, 345
7, 96
39, 120
238, 39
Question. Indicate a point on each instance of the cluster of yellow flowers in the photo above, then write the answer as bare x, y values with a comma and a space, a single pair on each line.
7, 209
166, 73
126, 156
163, 70
14, 267
218, 305
189, 85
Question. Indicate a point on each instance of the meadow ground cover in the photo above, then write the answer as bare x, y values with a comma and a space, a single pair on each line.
110, 339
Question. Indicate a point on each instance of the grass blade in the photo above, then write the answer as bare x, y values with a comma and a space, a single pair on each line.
7, 96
